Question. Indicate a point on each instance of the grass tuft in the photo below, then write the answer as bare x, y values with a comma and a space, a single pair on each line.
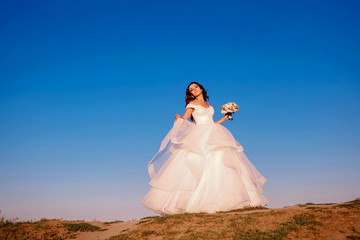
244, 209
146, 233
116, 221
123, 236
353, 237
281, 232
82, 227
350, 205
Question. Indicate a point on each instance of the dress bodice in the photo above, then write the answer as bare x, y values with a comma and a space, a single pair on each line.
202, 115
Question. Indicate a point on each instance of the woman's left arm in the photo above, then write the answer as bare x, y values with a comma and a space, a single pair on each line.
223, 119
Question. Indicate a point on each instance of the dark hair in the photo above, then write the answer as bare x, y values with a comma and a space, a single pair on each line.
189, 97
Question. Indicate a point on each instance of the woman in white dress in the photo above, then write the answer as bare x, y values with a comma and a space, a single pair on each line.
200, 167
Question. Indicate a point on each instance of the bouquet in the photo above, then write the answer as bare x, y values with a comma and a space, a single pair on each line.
229, 108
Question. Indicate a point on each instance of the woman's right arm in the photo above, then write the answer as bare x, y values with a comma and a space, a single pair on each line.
187, 114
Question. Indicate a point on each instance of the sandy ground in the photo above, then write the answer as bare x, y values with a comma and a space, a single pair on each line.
112, 230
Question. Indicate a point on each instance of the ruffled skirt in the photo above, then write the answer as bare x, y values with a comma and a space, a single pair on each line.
202, 168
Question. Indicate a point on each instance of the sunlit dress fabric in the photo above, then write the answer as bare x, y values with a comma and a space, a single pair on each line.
200, 167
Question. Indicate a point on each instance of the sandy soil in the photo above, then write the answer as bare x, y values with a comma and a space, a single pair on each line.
112, 230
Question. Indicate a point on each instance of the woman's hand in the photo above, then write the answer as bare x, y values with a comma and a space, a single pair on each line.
187, 114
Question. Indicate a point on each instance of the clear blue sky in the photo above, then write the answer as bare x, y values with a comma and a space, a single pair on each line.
90, 88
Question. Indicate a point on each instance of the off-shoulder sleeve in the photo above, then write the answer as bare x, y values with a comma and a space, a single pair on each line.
190, 105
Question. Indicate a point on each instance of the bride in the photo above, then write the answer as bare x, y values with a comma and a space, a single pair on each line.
200, 167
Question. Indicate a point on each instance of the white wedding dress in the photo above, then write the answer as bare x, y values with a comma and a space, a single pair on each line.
202, 168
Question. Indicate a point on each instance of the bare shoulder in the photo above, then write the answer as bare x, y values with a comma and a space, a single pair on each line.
190, 107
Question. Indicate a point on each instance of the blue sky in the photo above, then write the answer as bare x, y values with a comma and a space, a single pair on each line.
90, 88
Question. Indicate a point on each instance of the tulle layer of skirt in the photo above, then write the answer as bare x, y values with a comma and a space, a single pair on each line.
202, 168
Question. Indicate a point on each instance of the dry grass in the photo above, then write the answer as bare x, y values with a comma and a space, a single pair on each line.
302, 221
54, 229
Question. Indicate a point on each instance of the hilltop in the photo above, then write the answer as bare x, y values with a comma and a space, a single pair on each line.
302, 221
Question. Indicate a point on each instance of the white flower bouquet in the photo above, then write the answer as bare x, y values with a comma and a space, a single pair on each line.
229, 108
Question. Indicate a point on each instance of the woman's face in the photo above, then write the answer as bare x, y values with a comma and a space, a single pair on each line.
195, 90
